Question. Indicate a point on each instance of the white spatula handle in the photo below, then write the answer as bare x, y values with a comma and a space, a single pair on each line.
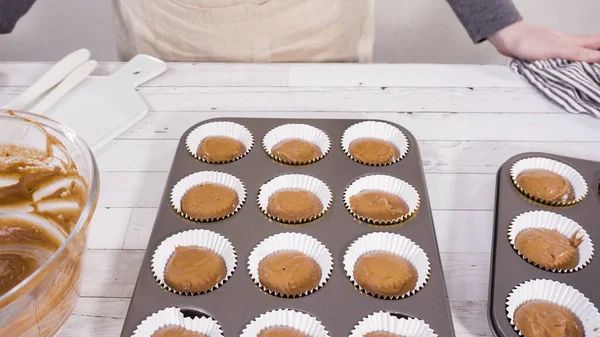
70, 82
50, 79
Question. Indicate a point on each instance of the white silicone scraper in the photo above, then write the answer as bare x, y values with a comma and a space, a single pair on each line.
102, 107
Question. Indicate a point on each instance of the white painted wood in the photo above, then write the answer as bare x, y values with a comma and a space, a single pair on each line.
108, 228
20, 74
464, 135
338, 99
131, 189
140, 227
404, 75
283, 99
425, 126
111, 273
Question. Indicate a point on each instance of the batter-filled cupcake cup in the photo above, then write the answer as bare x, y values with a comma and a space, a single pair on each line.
285, 322
172, 320
290, 265
381, 199
383, 324
548, 181
373, 260
294, 198
374, 143
549, 302
296, 144
208, 196
551, 241
219, 142
193, 262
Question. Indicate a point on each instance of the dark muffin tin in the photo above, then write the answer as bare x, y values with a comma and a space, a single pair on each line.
338, 305
508, 269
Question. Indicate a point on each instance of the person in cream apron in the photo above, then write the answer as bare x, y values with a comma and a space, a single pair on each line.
246, 30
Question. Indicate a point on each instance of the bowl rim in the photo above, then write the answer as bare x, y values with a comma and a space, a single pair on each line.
88, 210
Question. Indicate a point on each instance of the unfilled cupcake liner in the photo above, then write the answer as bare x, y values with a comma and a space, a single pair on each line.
305, 323
173, 317
227, 129
553, 221
391, 243
291, 242
207, 177
379, 130
196, 237
294, 181
297, 131
580, 187
385, 322
559, 294
388, 184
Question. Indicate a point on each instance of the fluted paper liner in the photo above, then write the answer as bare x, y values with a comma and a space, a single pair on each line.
388, 184
294, 181
170, 317
291, 242
196, 237
579, 185
552, 221
207, 177
305, 323
385, 322
297, 131
227, 129
391, 243
379, 130
559, 294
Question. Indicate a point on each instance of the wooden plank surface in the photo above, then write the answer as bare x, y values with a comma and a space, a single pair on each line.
467, 120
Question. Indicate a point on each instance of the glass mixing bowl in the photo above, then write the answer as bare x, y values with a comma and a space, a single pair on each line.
42, 302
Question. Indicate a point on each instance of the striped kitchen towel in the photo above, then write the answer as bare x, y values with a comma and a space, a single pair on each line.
573, 85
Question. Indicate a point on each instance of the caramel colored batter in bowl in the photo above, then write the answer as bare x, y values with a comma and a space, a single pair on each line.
48, 193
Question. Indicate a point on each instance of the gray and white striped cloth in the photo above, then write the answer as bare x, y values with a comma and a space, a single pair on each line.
573, 85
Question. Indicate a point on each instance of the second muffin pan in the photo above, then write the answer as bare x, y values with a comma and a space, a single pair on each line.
514, 280
338, 304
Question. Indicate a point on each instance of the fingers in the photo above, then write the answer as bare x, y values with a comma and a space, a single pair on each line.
586, 41
579, 54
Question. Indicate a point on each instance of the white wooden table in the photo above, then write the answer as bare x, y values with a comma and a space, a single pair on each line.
467, 119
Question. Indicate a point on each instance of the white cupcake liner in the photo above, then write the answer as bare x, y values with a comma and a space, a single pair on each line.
227, 129
580, 187
391, 243
174, 317
559, 294
386, 322
553, 221
388, 184
294, 181
379, 130
291, 242
196, 237
300, 321
207, 177
297, 131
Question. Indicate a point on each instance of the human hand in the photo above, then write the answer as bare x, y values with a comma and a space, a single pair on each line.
525, 41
